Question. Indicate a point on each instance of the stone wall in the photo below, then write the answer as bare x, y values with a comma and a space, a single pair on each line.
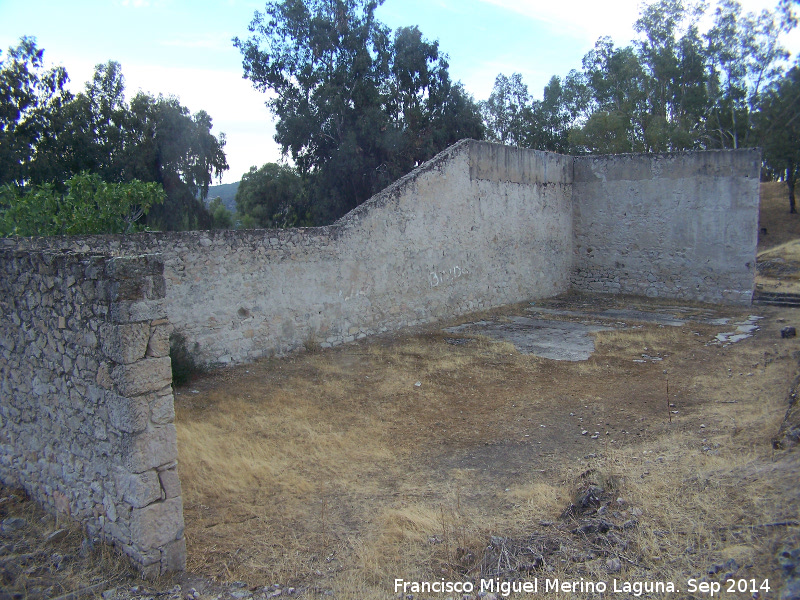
86, 417
478, 226
86, 414
679, 225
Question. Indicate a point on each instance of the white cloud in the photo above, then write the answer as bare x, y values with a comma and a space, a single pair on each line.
584, 20
235, 107
587, 20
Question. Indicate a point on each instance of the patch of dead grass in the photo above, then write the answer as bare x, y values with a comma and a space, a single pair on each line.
334, 471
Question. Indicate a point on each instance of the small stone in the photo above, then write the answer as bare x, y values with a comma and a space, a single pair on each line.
13, 524
613, 565
630, 524
731, 565
57, 535
788, 332
418, 384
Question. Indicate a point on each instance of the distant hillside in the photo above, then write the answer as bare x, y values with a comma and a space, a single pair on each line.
226, 191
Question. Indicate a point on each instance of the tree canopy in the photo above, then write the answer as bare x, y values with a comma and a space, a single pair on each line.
357, 105
48, 136
674, 88
89, 205
272, 196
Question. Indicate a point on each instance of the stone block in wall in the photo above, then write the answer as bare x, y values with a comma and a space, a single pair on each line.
128, 415
170, 482
154, 447
134, 311
158, 344
162, 406
136, 277
137, 489
103, 377
125, 343
173, 556
148, 375
148, 561
157, 524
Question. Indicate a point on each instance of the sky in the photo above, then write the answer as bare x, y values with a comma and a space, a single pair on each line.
183, 48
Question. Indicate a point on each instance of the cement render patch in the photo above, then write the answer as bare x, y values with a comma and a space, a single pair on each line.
674, 318
572, 341
557, 340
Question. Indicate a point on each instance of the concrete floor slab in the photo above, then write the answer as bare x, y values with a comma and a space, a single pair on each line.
557, 340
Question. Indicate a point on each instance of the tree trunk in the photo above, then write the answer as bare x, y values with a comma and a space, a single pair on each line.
790, 181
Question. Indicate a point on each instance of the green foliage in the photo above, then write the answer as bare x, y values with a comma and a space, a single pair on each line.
222, 218
272, 196
672, 89
90, 205
30, 100
508, 113
357, 107
604, 133
47, 136
184, 364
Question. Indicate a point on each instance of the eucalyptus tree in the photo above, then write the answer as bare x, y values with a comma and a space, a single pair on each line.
31, 97
778, 127
272, 196
356, 105
508, 112
48, 136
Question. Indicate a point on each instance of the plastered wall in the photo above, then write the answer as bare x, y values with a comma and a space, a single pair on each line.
678, 225
86, 418
480, 225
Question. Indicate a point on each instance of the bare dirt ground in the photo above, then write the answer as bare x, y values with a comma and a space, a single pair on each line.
430, 456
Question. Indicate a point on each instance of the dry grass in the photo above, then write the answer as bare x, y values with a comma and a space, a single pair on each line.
334, 471
774, 217
778, 243
44, 557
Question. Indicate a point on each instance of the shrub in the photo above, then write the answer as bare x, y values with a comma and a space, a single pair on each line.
184, 365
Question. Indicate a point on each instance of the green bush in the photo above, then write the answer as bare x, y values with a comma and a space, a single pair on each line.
90, 206
184, 365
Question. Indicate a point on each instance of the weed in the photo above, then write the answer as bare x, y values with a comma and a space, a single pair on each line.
311, 344
184, 364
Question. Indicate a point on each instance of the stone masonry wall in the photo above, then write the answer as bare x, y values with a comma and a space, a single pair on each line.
678, 225
86, 413
478, 226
